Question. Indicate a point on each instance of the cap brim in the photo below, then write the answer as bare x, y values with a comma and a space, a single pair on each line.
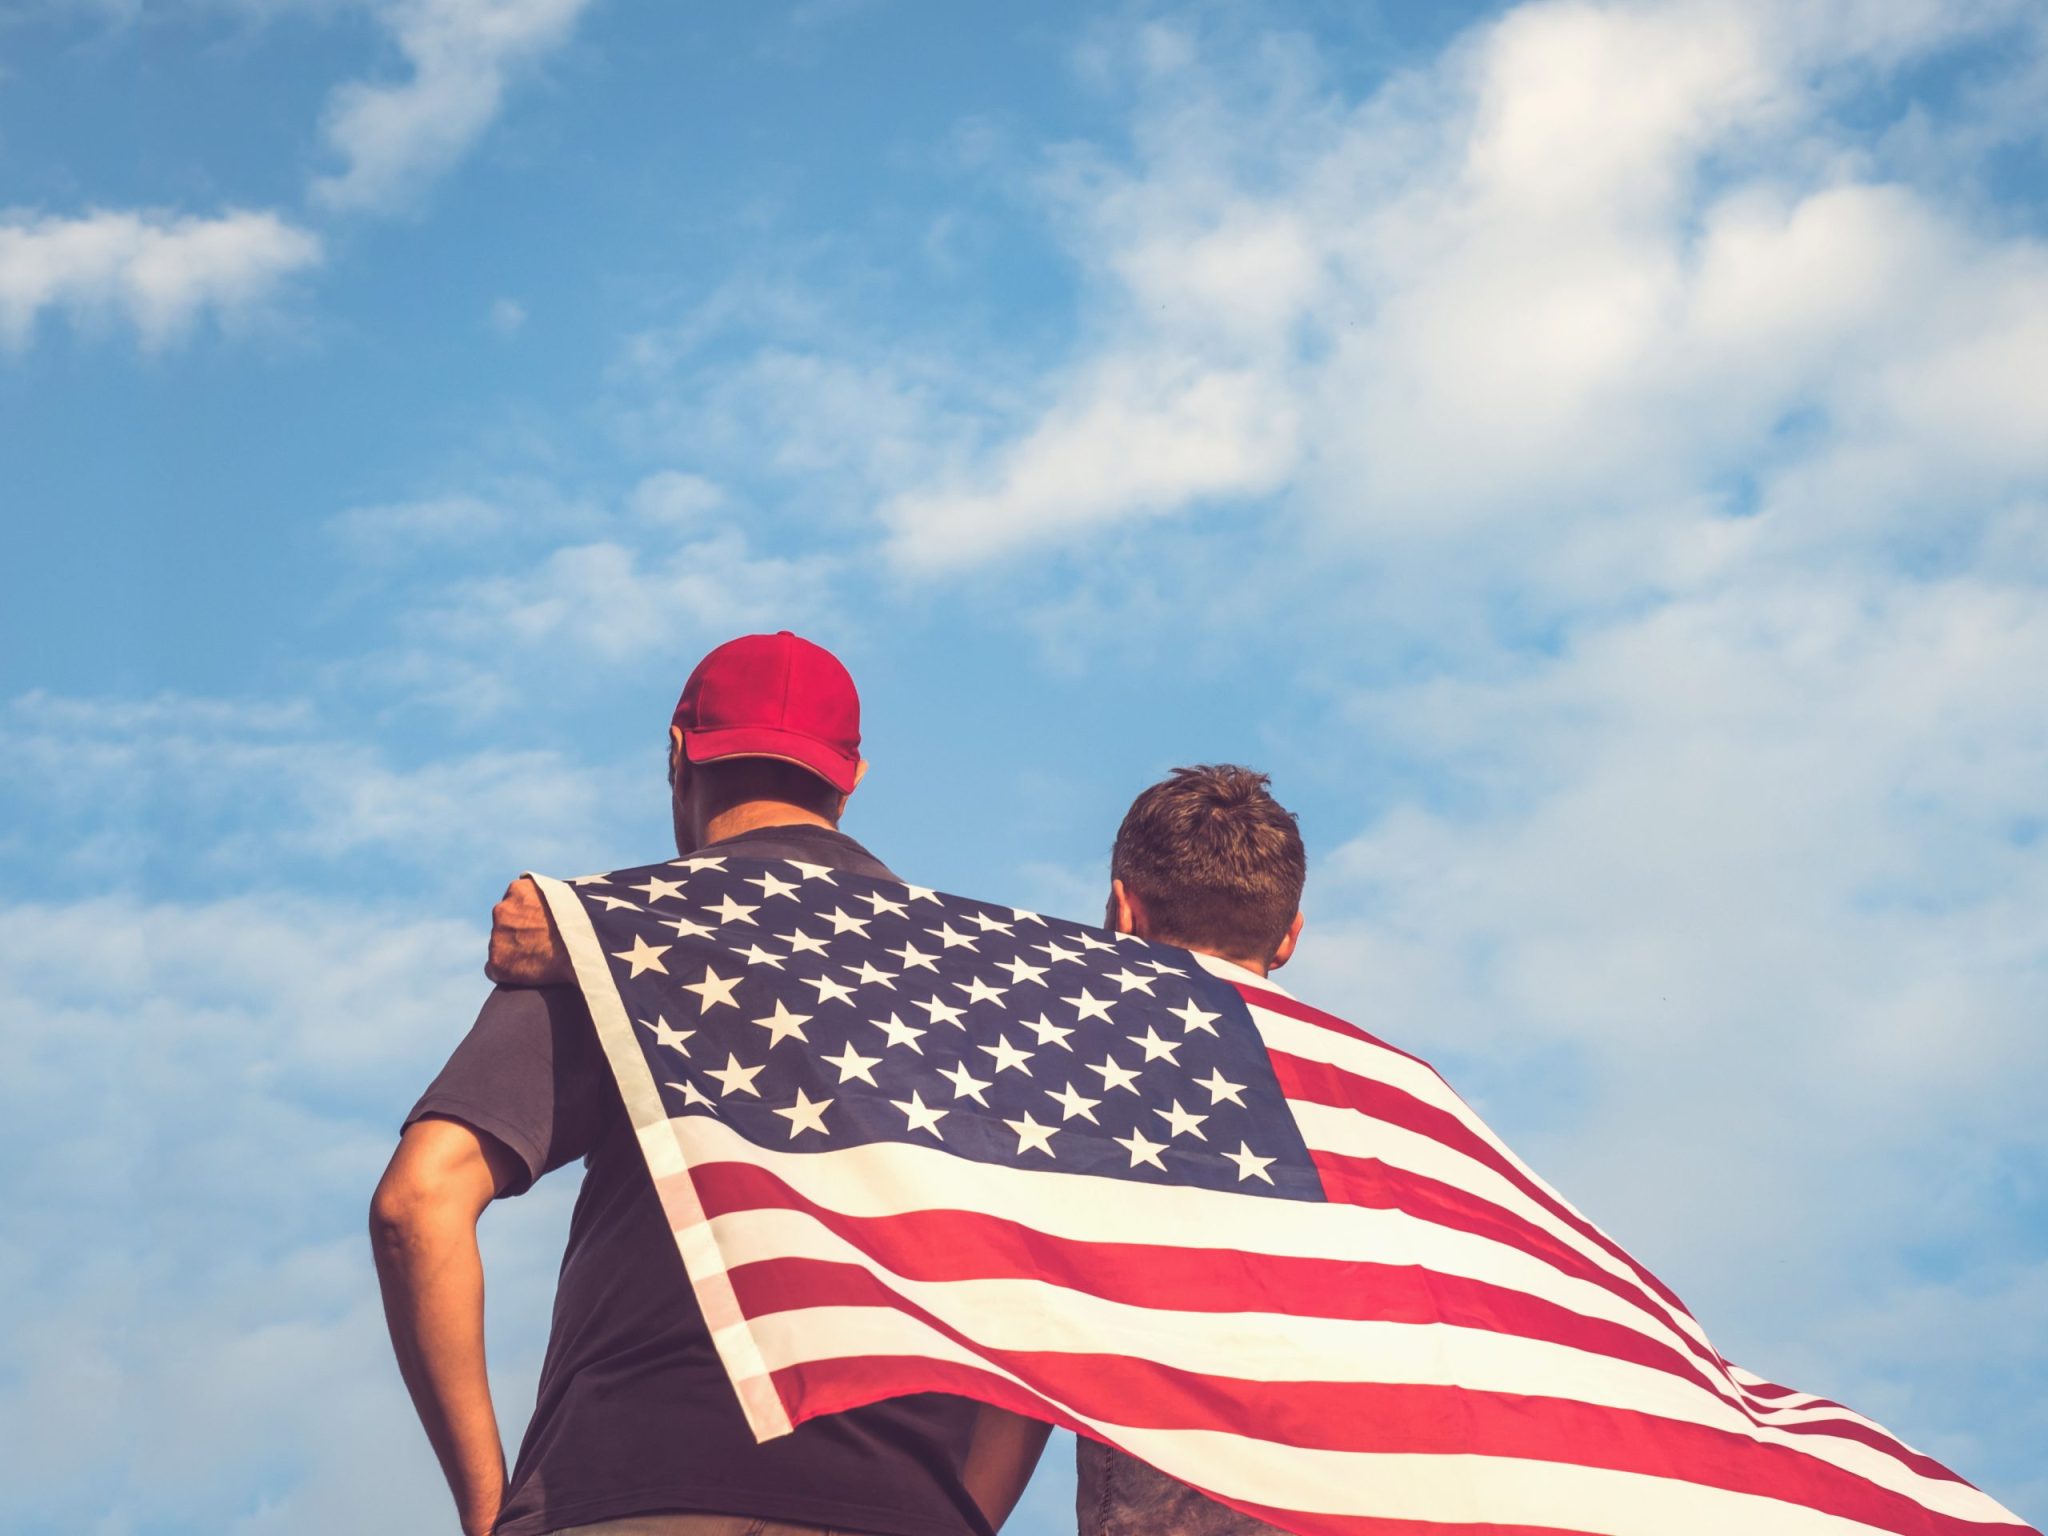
838, 769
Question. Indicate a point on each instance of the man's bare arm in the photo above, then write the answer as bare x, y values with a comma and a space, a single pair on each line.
1000, 1458
526, 951
423, 1233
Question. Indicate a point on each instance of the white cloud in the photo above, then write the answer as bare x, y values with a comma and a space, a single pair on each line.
464, 55
158, 272
257, 793
197, 1101
1589, 262
507, 317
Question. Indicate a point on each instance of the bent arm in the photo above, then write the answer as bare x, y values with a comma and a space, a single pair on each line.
423, 1233
1000, 1458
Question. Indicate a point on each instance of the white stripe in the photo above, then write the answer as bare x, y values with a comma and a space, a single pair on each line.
1331, 1128
1451, 1489
666, 1160
890, 1179
1036, 1316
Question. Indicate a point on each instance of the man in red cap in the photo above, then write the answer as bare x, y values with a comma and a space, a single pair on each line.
636, 1431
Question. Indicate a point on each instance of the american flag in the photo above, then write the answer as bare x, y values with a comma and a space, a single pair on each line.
909, 1142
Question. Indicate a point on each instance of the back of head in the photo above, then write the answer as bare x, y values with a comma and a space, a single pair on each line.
1216, 861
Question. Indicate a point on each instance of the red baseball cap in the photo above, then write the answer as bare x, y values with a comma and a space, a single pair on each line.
774, 696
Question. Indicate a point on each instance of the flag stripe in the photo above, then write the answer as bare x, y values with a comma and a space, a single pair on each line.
1449, 1486
956, 1246
1319, 1083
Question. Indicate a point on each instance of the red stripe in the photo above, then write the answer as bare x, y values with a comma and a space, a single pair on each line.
1320, 1083
1275, 1002
1384, 1419
966, 1245
832, 1386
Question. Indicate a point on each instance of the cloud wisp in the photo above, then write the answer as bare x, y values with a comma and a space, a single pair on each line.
396, 138
160, 273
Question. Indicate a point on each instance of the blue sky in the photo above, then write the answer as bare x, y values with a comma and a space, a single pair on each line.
1594, 456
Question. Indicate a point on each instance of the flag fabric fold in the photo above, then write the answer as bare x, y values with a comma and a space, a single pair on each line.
912, 1142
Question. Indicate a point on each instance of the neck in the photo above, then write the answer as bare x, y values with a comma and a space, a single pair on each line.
749, 814
1256, 967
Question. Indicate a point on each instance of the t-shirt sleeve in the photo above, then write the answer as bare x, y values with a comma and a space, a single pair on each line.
526, 1073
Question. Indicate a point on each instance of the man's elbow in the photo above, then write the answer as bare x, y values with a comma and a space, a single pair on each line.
406, 1209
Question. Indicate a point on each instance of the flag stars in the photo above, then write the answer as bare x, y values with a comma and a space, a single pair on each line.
900, 1033
989, 924
1221, 1088
1089, 941
1088, 1006
611, 903
713, 990
684, 928
868, 975
1022, 970
1163, 969
657, 889
1249, 1165
883, 904
979, 991
942, 1012
1049, 1033
1008, 1056
948, 939
1131, 981
921, 1116
922, 893
1019, 915
690, 1093
912, 956
699, 864
852, 1064
1114, 1076
830, 991
1154, 1045
1072, 1103
800, 943
1055, 952
667, 1035
1193, 1018
772, 886
754, 954
783, 1025
1181, 1122
730, 911
806, 1114
812, 871
843, 921
1141, 1150
1031, 1136
965, 1084
644, 956
733, 1078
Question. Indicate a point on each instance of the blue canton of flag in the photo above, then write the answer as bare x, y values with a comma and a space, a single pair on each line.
809, 1008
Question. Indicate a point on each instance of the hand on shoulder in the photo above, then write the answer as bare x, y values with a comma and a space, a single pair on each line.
526, 951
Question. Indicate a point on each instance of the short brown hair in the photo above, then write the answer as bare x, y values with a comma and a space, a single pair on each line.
1216, 861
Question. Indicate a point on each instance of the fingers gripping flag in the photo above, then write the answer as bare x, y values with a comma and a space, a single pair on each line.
909, 1142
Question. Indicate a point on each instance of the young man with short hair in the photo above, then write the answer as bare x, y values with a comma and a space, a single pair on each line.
1208, 860
637, 1431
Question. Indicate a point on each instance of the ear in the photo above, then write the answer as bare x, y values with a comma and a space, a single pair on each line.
1126, 913
675, 752
1285, 950
860, 772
